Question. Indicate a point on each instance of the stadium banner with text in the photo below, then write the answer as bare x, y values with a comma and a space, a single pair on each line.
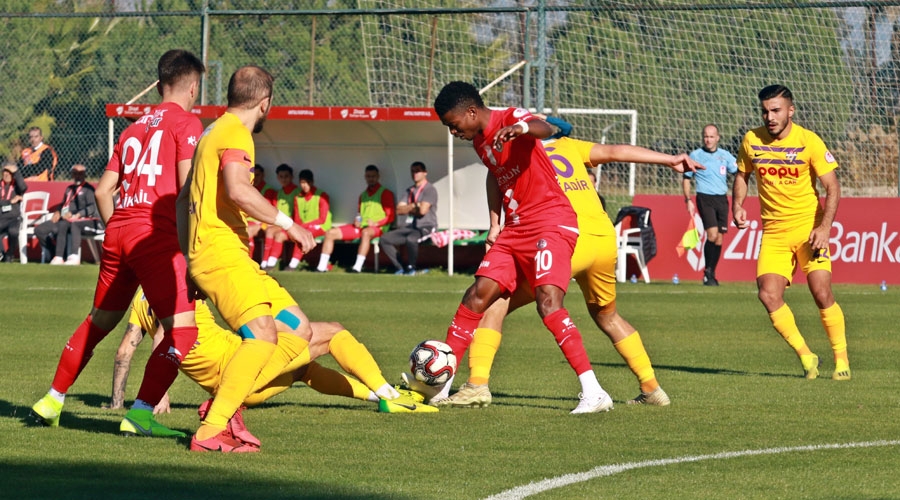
865, 242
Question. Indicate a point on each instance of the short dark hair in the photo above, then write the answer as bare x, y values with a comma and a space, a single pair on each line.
284, 167
773, 91
177, 64
36, 129
258, 168
306, 175
248, 86
455, 95
420, 165
372, 168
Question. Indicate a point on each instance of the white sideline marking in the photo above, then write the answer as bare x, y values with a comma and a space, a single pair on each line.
609, 470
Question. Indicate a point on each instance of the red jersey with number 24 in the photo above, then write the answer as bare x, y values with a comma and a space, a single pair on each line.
531, 194
146, 159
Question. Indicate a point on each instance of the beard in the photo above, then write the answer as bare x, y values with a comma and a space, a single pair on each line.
258, 126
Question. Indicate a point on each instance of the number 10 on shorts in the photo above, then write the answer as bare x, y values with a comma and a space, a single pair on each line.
543, 262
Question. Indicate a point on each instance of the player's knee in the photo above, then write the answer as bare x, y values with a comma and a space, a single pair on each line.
769, 298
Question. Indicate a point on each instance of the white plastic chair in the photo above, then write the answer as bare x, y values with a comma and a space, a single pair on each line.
629, 242
34, 211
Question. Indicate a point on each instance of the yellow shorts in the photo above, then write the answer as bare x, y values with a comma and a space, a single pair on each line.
240, 290
205, 363
594, 268
781, 252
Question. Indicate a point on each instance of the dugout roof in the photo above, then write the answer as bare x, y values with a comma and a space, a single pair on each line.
337, 143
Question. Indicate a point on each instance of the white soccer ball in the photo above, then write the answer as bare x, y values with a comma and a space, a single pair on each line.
432, 362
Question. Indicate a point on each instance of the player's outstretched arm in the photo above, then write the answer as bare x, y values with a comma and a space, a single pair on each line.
626, 153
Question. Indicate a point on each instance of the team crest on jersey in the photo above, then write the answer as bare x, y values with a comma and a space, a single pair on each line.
791, 156
541, 244
520, 112
829, 157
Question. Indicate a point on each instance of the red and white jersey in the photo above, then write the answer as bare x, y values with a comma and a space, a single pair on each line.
527, 179
146, 159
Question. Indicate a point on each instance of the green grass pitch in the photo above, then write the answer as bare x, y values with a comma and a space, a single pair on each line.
735, 387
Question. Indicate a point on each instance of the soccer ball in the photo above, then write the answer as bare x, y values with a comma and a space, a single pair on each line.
432, 362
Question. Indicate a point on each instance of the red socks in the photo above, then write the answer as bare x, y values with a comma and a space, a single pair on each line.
162, 367
569, 340
462, 330
76, 354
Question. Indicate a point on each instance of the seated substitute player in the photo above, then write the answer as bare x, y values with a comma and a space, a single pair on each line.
541, 230
593, 268
312, 210
375, 211
787, 159
254, 226
284, 202
215, 346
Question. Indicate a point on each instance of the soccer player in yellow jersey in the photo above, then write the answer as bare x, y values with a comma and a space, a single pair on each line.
213, 233
787, 160
215, 347
593, 267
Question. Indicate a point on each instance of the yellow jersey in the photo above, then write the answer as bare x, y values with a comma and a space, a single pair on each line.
142, 315
216, 222
570, 157
786, 173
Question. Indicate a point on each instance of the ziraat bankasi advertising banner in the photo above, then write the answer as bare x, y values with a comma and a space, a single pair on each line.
865, 242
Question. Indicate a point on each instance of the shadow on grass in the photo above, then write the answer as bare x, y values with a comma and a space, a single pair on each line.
703, 370
62, 480
101, 476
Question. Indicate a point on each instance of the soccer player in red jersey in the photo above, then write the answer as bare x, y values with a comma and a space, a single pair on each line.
540, 232
149, 165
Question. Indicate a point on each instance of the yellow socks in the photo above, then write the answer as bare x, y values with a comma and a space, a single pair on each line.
833, 321
783, 321
237, 381
632, 351
287, 351
334, 383
481, 355
355, 359
275, 387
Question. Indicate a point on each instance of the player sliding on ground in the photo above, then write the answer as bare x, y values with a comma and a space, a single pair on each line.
216, 346
215, 203
593, 267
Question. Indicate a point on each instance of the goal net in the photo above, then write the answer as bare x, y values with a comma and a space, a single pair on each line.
680, 64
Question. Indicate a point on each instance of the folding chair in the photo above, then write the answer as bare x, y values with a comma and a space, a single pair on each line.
34, 211
634, 233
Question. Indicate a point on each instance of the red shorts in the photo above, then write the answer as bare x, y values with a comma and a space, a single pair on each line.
351, 232
133, 256
541, 256
315, 229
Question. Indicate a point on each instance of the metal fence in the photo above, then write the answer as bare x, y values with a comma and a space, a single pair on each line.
680, 64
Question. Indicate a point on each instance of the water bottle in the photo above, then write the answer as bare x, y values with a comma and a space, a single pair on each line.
883, 286
634, 278
358, 219
675, 279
